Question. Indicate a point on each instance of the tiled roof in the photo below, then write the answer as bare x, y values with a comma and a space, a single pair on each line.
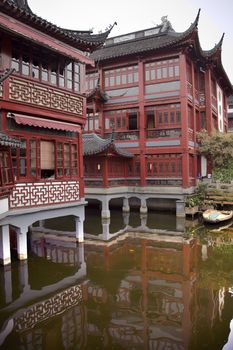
159, 38
98, 93
83, 40
94, 144
141, 44
8, 141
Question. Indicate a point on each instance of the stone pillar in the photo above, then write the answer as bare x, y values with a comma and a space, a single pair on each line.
204, 252
105, 229
180, 223
126, 219
143, 218
6, 284
126, 208
41, 223
23, 276
5, 252
143, 208
180, 208
81, 258
79, 229
105, 213
22, 243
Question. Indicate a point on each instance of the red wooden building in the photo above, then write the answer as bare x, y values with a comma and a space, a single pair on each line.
43, 106
157, 88
230, 113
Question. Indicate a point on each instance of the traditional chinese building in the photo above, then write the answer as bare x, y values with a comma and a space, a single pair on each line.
42, 105
157, 88
230, 113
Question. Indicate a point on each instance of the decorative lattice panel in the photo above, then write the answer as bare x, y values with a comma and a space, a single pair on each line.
46, 309
39, 95
44, 193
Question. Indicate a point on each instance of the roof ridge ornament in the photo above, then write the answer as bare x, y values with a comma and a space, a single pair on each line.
23, 4
197, 18
166, 24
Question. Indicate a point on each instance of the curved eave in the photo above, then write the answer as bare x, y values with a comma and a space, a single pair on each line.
122, 153
8, 141
146, 44
216, 51
213, 58
82, 40
97, 94
94, 144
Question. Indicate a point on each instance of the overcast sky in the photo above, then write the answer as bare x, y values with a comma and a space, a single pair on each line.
216, 18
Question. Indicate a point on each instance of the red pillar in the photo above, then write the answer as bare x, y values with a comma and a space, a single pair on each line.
80, 165
184, 121
141, 123
208, 102
100, 110
105, 171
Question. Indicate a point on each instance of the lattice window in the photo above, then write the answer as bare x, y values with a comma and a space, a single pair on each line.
92, 122
163, 116
32, 63
162, 70
91, 81
164, 165
122, 120
42, 159
121, 76
6, 174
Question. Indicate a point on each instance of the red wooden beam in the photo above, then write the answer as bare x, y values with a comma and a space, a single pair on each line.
29, 33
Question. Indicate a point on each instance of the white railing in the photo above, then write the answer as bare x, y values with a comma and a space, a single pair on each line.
31, 194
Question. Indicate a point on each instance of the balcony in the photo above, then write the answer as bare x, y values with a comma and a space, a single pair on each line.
31, 92
170, 133
43, 193
127, 135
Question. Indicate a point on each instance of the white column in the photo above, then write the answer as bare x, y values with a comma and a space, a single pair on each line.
23, 276
143, 218
105, 229
180, 223
126, 207
105, 213
22, 243
81, 258
126, 219
5, 252
41, 223
180, 208
204, 252
79, 229
6, 284
143, 208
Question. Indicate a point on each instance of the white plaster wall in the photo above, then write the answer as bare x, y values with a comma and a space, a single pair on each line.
3, 205
203, 166
220, 108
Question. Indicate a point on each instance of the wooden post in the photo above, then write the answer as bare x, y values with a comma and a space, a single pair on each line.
184, 121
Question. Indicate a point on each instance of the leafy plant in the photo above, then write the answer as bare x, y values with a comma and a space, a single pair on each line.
219, 149
192, 201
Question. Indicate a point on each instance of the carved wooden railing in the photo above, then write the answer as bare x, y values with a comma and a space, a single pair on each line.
30, 194
43, 95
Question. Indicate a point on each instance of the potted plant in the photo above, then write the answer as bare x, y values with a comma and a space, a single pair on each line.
192, 204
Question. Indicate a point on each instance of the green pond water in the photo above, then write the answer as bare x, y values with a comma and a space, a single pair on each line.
137, 282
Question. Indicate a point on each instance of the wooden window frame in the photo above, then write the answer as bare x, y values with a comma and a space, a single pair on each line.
45, 66
160, 70
120, 77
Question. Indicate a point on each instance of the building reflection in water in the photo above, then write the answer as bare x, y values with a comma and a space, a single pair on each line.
138, 290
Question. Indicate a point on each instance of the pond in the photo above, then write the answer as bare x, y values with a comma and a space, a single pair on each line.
138, 282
